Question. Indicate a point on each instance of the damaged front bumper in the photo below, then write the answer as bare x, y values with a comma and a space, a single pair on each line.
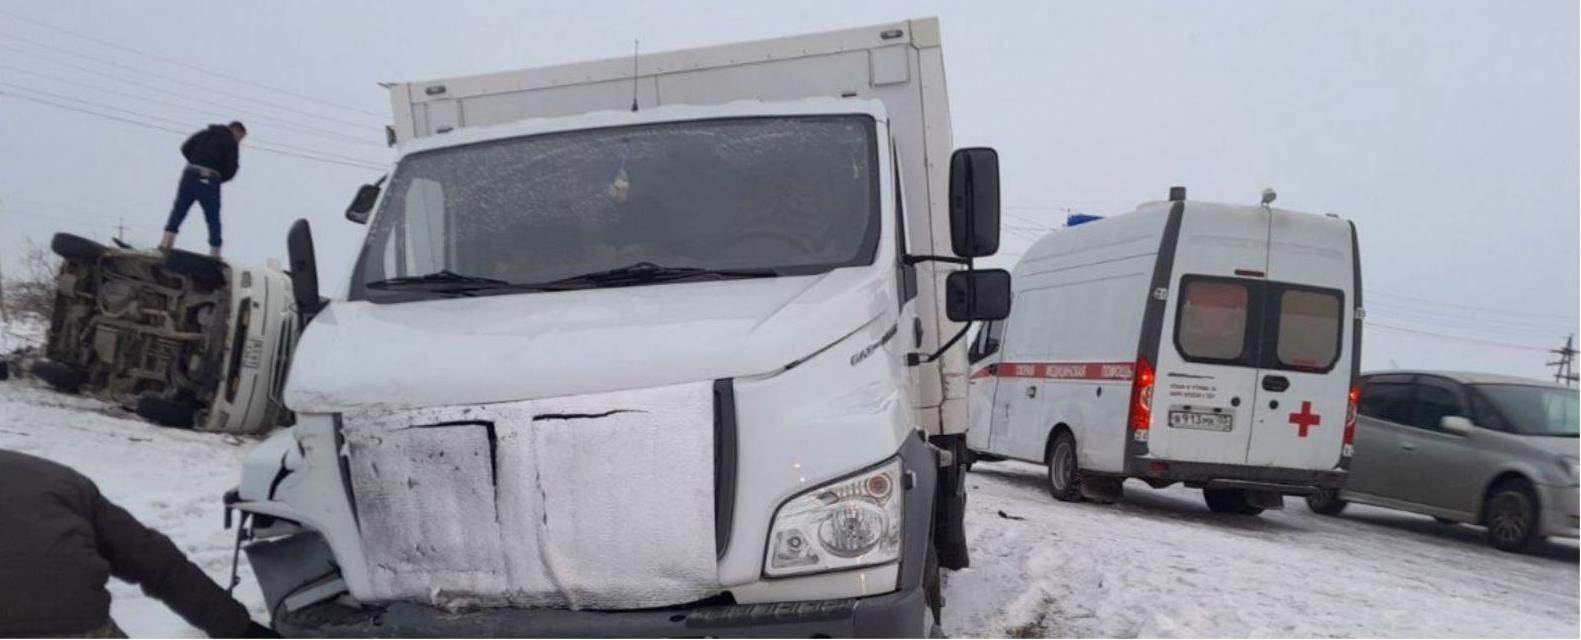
898, 614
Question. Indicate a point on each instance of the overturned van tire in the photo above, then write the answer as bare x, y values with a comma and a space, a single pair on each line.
76, 248
205, 271
1231, 501
62, 377
1064, 472
168, 413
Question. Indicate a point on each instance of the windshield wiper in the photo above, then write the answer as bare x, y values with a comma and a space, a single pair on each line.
442, 281
649, 272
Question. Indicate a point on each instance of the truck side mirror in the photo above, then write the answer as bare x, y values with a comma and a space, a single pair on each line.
1455, 424
982, 294
304, 269
362, 205
974, 202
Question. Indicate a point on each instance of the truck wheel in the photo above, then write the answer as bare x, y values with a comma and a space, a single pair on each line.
169, 413
203, 270
62, 377
76, 248
1326, 502
1064, 474
1511, 516
1229, 501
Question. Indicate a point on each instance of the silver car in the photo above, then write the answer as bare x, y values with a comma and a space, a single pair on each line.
1476, 448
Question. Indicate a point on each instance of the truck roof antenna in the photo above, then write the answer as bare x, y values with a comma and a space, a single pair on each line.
636, 47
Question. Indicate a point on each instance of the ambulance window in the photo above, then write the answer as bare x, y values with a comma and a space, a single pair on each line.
1309, 329
1212, 323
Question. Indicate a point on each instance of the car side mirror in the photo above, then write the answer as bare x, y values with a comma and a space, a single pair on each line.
982, 294
974, 202
1456, 425
362, 205
304, 269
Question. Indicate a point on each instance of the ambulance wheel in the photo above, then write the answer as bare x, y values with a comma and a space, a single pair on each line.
1064, 474
1229, 501
1326, 502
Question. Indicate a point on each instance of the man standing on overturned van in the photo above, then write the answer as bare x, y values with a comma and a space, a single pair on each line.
211, 160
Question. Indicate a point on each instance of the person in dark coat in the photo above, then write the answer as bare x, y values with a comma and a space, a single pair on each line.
211, 161
60, 541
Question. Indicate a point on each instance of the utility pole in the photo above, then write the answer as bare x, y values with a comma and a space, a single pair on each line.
120, 230
3, 317
1565, 371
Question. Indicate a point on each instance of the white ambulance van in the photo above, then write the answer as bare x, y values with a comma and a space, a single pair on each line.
1211, 344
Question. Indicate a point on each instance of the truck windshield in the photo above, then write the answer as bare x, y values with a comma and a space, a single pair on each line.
1534, 410
625, 206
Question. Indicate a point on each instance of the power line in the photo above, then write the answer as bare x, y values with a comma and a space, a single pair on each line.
279, 122
1492, 343
11, 94
181, 123
248, 99
1465, 307
186, 65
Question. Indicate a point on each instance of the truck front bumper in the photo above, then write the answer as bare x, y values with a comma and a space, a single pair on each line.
899, 614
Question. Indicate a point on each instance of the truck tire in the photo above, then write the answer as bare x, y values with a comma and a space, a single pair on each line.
168, 413
1510, 514
1326, 502
1232, 501
62, 377
76, 248
1063, 468
207, 272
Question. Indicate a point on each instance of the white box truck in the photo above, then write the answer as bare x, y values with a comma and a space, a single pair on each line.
657, 346
1214, 345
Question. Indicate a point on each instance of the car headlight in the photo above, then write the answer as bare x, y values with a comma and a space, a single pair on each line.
850, 523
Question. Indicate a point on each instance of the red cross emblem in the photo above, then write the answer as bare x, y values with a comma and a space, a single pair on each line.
1305, 418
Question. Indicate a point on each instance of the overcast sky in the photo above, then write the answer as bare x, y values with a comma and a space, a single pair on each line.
1446, 130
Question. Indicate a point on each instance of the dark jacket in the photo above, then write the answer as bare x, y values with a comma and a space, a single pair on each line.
215, 148
60, 541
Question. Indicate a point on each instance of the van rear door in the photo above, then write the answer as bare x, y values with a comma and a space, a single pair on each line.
1207, 360
1306, 363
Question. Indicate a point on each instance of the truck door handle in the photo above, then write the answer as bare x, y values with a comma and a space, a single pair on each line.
1275, 383
1408, 446
1032, 392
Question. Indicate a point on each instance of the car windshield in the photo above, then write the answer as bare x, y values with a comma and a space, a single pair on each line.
1535, 410
625, 206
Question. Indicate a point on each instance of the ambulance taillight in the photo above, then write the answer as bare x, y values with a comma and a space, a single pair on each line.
1141, 399
1350, 421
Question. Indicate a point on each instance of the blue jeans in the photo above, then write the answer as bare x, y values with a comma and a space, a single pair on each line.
204, 191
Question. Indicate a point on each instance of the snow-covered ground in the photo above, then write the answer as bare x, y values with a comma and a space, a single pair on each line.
1158, 564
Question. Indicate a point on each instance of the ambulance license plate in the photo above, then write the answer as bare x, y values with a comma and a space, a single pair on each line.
1204, 420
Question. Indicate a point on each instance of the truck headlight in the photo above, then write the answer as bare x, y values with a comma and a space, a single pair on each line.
849, 523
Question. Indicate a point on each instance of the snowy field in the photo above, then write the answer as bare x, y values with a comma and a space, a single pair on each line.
1158, 564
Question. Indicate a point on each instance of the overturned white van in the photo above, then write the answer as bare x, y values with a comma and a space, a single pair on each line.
1215, 345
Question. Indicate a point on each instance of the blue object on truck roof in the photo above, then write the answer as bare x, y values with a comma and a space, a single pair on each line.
1080, 218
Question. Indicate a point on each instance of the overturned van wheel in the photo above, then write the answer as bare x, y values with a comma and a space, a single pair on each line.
203, 270
169, 413
1064, 475
62, 377
76, 248
1229, 501
1326, 502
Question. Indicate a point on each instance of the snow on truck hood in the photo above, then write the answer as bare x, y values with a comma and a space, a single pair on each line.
543, 345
